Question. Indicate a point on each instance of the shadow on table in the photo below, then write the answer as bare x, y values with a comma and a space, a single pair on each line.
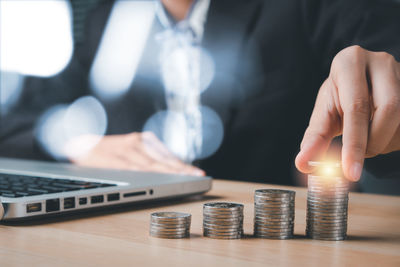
373, 238
108, 210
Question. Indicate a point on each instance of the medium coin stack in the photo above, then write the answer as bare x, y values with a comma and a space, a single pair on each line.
274, 213
170, 224
327, 202
223, 220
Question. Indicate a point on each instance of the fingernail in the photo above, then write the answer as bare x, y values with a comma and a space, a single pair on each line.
355, 171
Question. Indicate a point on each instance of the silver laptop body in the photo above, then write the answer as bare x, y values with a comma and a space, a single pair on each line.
120, 187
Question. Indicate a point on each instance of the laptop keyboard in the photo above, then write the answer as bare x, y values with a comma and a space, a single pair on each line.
12, 185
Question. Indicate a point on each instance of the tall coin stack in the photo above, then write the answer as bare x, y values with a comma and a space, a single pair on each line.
170, 224
327, 202
274, 213
223, 220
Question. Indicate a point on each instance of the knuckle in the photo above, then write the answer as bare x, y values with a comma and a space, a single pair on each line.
386, 56
352, 55
359, 106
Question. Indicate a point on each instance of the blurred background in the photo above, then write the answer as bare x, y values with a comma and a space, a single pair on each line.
73, 71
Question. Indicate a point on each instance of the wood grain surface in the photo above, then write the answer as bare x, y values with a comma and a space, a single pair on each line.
119, 236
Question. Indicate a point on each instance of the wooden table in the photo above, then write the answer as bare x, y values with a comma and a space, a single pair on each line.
120, 237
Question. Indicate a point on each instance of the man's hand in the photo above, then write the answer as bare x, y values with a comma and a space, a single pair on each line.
360, 100
135, 151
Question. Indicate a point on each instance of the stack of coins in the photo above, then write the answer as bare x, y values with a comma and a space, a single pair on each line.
274, 213
170, 224
223, 220
327, 202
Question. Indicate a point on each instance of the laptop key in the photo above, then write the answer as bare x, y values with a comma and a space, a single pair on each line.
8, 195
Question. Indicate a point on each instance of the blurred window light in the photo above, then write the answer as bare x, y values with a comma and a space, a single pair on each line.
35, 36
72, 131
121, 47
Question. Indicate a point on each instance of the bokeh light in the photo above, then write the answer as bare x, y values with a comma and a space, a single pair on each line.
121, 47
172, 129
35, 36
72, 131
176, 68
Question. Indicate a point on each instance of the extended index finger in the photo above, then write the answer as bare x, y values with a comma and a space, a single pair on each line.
351, 81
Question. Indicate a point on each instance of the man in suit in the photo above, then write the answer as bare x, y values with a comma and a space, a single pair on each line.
270, 61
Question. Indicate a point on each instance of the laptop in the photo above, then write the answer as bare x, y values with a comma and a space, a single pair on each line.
32, 188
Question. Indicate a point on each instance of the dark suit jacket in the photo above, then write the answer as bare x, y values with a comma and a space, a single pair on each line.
271, 57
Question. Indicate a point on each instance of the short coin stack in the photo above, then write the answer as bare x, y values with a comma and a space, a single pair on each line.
274, 213
223, 220
170, 224
327, 202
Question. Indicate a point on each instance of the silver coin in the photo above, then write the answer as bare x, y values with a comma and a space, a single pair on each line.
273, 229
206, 217
170, 215
326, 221
318, 236
284, 211
168, 228
268, 208
221, 232
266, 222
320, 183
268, 236
328, 232
222, 205
224, 221
221, 220
327, 209
269, 201
274, 225
339, 238
326, 212
232, 228
333, 235
327, 185
327, 198
274, 213
170, 236
155, 233
327, 195
264, 219
170, 224
328, 201
273, 234
279, 192
226, 216
323, 179
327, 204
237, 236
